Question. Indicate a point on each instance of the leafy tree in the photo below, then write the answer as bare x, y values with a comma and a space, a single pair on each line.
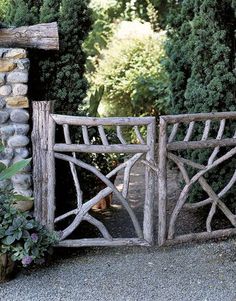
135, 82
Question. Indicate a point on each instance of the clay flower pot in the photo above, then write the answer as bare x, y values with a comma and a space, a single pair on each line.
24, 205
6, 267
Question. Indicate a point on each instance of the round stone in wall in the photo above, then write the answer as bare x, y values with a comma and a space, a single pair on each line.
16, 53
7, 131
3, 116
17, 77
21, 181
18, 141
5, 90
20, 89
24, 192
19, 116
23, 152
21, 129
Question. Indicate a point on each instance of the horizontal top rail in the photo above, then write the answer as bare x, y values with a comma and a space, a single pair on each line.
93, 121
184, 145
198, 117
114, 148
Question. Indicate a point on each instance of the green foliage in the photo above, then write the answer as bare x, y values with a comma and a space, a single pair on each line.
57, 75
21, 236
8, 172
23, 12
94, 101
201, 66
3, 9
135, 81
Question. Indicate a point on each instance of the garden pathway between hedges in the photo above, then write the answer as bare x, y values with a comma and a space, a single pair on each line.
194, 272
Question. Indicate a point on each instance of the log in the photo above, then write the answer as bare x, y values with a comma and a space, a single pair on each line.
187, 118
101, 242
162, 183
185, 145
93, 121
42, 36
41, 111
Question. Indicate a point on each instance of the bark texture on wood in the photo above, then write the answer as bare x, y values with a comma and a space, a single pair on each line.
41, 112
206, 141
42, 36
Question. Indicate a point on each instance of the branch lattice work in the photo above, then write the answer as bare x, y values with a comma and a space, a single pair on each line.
169, 143
144, 147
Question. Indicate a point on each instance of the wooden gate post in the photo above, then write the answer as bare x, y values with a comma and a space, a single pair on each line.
150, 184
162, 182
41, 114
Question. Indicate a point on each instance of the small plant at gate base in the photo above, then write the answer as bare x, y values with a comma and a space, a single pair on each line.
21, 237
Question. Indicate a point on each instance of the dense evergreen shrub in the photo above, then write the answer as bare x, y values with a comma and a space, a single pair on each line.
3, 8
201, 66
60, 74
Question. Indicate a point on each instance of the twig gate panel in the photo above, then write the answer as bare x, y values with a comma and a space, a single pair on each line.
169, 142
46, 150
143, 149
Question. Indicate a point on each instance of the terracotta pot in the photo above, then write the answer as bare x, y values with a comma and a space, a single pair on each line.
23, 205
6, 267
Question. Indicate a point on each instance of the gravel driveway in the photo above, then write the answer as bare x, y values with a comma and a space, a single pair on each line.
204, 272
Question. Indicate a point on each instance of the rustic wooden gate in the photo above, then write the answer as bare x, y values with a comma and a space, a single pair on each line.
169, 142
170, 146
46, 150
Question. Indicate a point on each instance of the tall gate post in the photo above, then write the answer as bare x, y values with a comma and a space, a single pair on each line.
162, 182
150, 184
41, 115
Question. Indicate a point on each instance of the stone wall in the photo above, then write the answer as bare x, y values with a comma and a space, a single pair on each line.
14, 116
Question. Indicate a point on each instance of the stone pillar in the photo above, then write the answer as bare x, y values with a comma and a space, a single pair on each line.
14, 116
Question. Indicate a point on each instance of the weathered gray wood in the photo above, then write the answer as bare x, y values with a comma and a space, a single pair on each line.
202, 236
129, 165
99, 225
220, 194
183, 145
41, 111
101, 242
109, 184
138, 134
219, 137
41, 36
149, 185
79, 194
51, 173
184, 193
162, 182
114, 148
187, 118
189, 131
119, 134
206, 129
85, 134
93, 121
103, 135
173, 132
215, 199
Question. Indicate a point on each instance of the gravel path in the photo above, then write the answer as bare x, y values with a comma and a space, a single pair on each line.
197, 272
203, 272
